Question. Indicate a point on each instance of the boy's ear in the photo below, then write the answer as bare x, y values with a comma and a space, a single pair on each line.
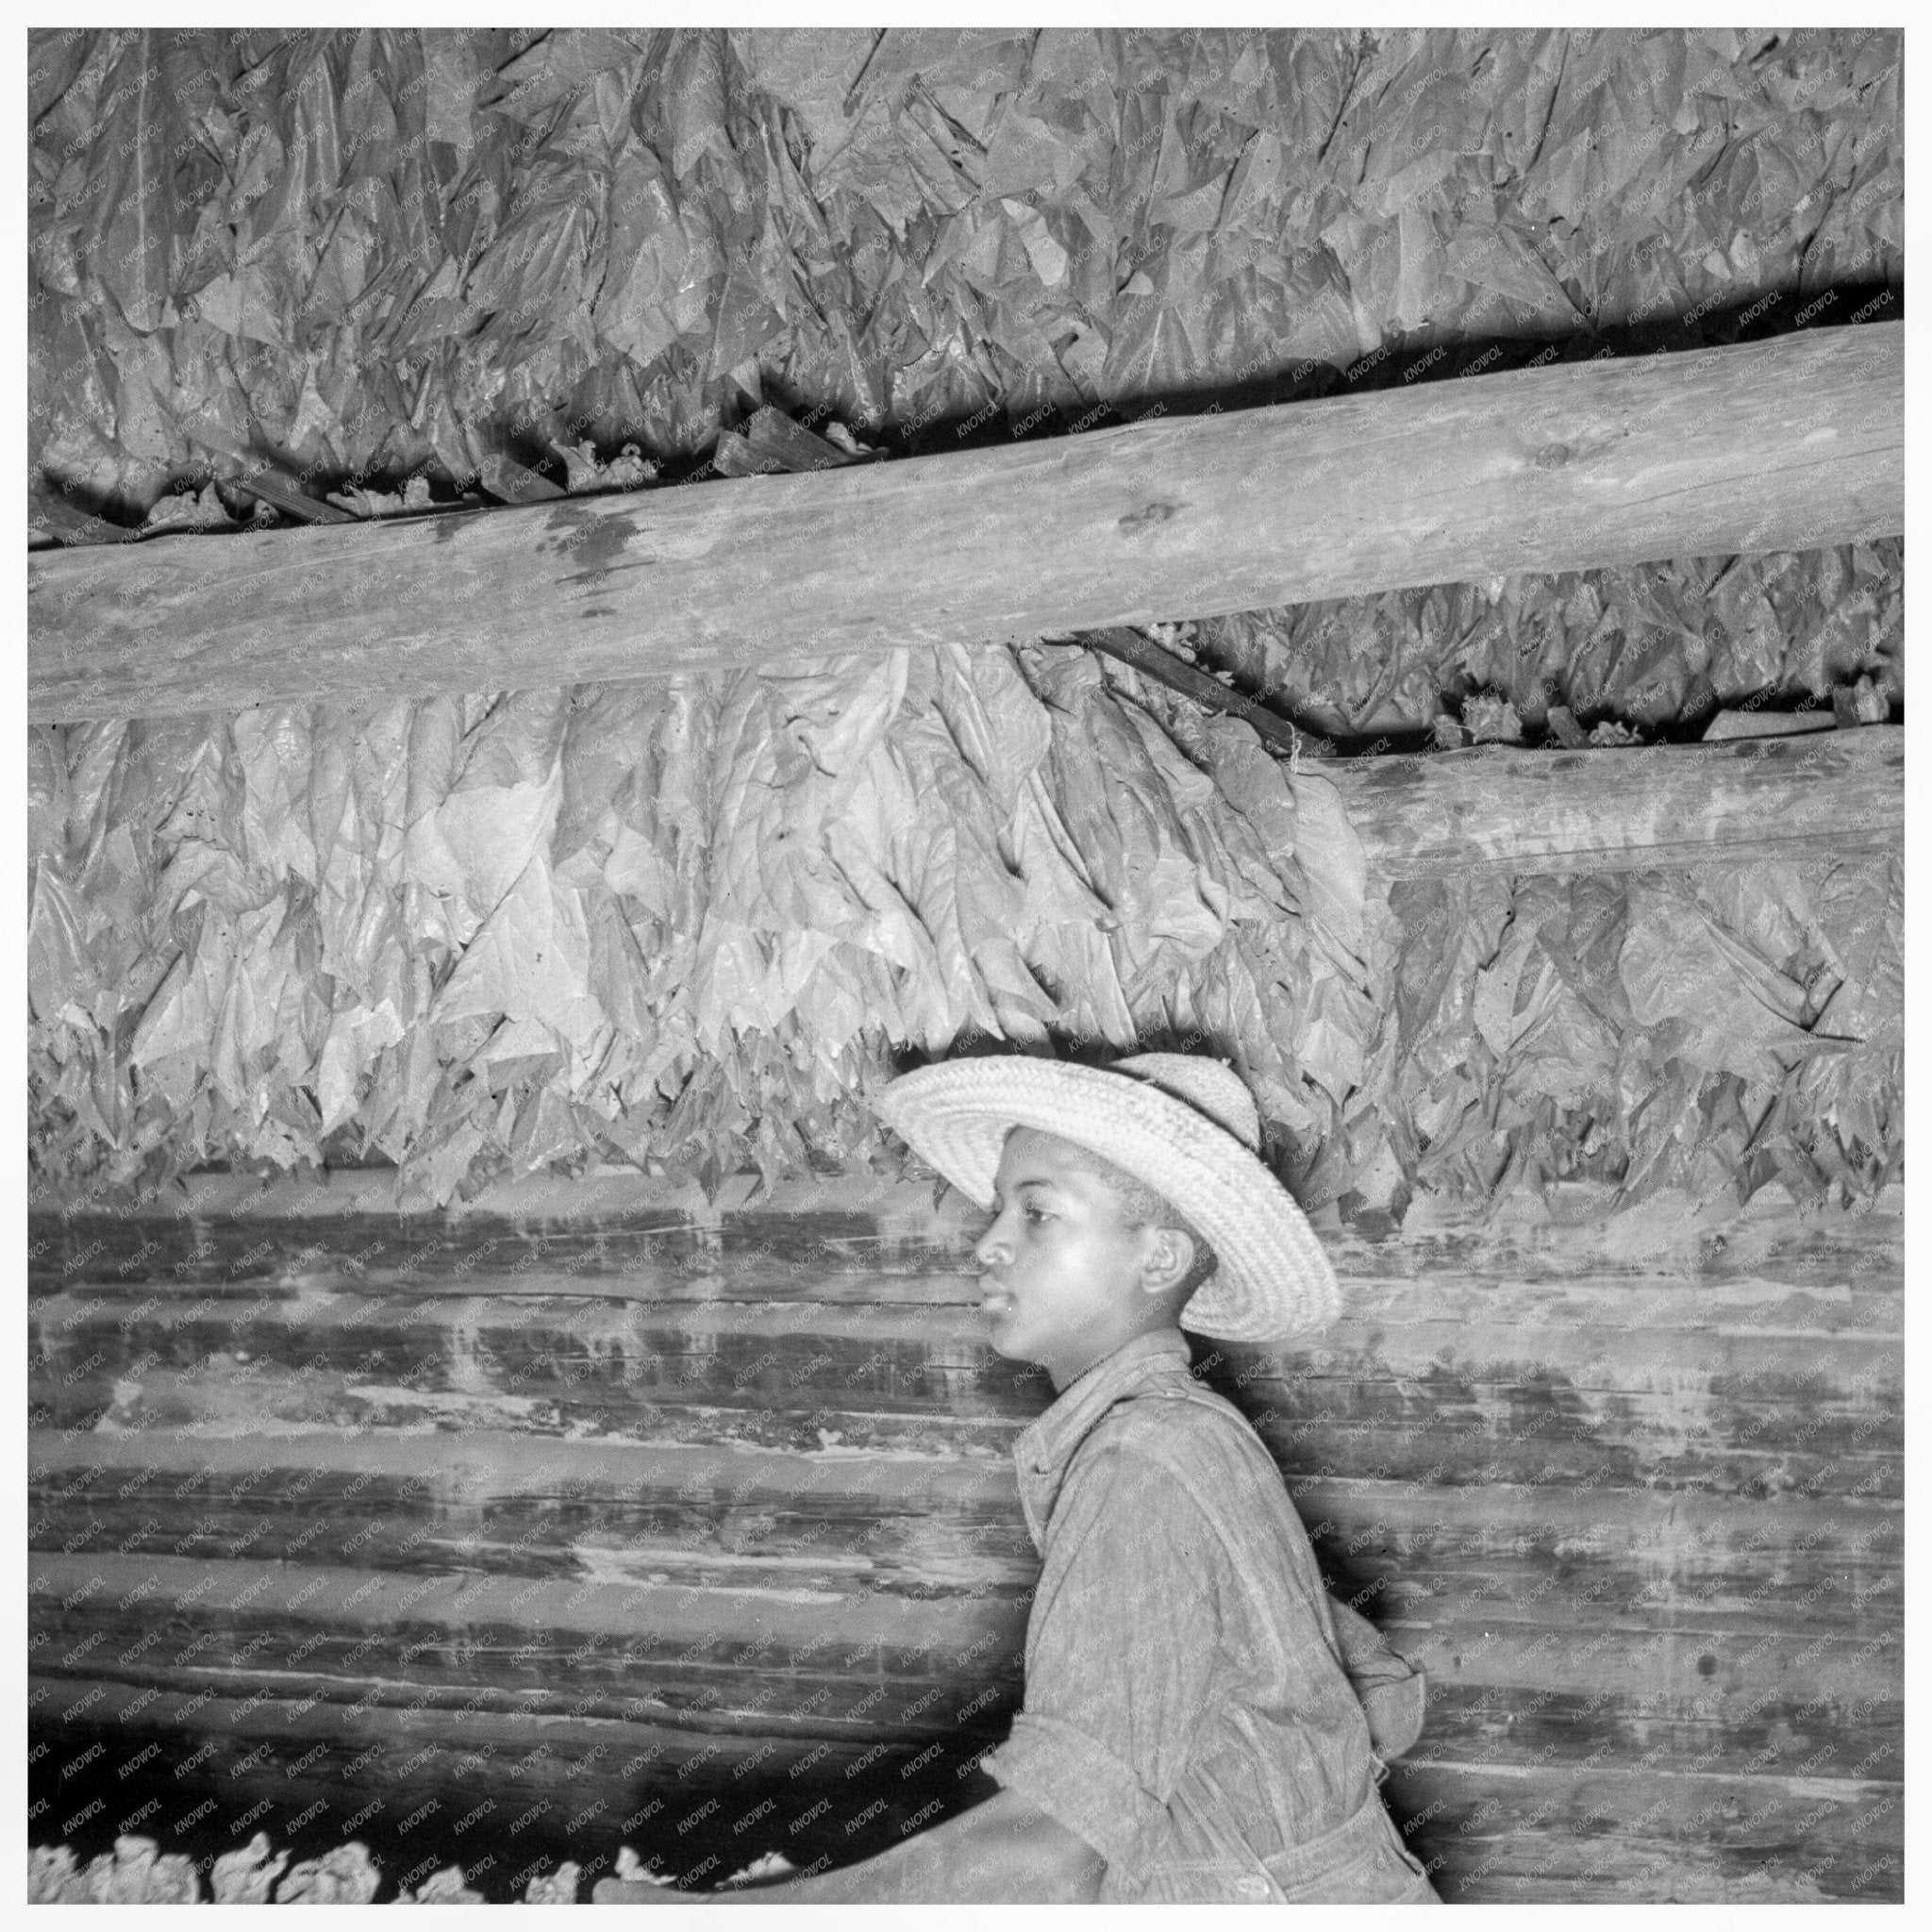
1167, 1256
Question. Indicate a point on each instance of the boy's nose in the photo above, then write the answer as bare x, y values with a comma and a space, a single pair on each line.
991, 1245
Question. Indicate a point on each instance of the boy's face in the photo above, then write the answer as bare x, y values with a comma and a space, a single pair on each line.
1064, 1281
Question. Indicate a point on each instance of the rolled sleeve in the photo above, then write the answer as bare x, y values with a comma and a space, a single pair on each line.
1080, 1783
1120, 1652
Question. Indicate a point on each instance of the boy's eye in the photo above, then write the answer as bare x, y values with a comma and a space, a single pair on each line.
1032, 1214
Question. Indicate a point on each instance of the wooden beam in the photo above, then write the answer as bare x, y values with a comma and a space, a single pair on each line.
1148, 658
1495, 809
1786, 444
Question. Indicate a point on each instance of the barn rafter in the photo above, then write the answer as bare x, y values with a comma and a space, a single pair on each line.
1793, 444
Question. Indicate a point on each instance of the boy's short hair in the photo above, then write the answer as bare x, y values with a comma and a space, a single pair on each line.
1144, 1207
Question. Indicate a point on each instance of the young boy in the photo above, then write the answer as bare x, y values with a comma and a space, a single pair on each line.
1190, 1730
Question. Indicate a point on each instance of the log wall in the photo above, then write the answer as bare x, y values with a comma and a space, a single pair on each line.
635, 1521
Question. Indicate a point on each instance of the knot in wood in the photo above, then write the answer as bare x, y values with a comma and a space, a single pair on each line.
1553, 455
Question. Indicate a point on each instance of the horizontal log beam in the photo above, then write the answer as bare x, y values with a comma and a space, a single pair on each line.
1786, 444
1644, 1443
622, 1354
1496, 809
540, 1641
228, 1234
1752, 1430
1492, 1819
728, 1517
1624, 1832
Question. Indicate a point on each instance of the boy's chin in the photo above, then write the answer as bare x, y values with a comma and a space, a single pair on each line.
1013, 1345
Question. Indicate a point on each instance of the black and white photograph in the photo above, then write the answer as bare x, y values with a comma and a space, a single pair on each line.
965, 964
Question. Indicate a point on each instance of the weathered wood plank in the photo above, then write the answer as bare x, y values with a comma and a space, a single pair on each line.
1448, 1431
575, 1786
486, 1503
1488, 1831
768, 1523
1521, 1727
229, 1233
1480, 1633
1444, 1455
777, 1346
753, 1710
1701, 1669
1448, 1458
538, 1642
1456, 1460
874, 1633
529, 1786
1407, 1520
758, 1660
1163, 667
1759, 1424
1783, 444
486, 1506
668, 1252
1513, 1727
1633, 1833
890, 1355
1521, 1730
1495, 809
1825, 1304
524, 1752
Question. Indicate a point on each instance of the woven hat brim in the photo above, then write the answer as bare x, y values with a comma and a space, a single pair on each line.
1273, 1278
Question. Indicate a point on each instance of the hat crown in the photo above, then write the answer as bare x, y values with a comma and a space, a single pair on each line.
1209, 1087
1272, 1280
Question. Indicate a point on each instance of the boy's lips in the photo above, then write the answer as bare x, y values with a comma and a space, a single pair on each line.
995, 1301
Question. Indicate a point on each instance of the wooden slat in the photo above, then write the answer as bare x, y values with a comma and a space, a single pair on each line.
1489, 1403
1495, 809
539, 1634
1788, 443
229, 1233
1488, 1831
542, 1643
753, 1663
485, 1504
263, 475
1756, 1354
1487, 1438
1666, 1670
1520, 1726
1545, 1526
530, 1752
511, 481
1148, 658
1850, 1726
921, 1347
1414, 1313
1623, 1834
525, 1787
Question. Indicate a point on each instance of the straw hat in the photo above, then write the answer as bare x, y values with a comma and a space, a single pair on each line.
1185, 1126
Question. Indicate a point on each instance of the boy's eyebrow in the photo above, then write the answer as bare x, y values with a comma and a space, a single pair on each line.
1030, 1181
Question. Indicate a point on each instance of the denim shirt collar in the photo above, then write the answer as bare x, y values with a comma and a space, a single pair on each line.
1043, 1449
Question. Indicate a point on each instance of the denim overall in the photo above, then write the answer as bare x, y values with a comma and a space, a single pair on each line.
1198, 1708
